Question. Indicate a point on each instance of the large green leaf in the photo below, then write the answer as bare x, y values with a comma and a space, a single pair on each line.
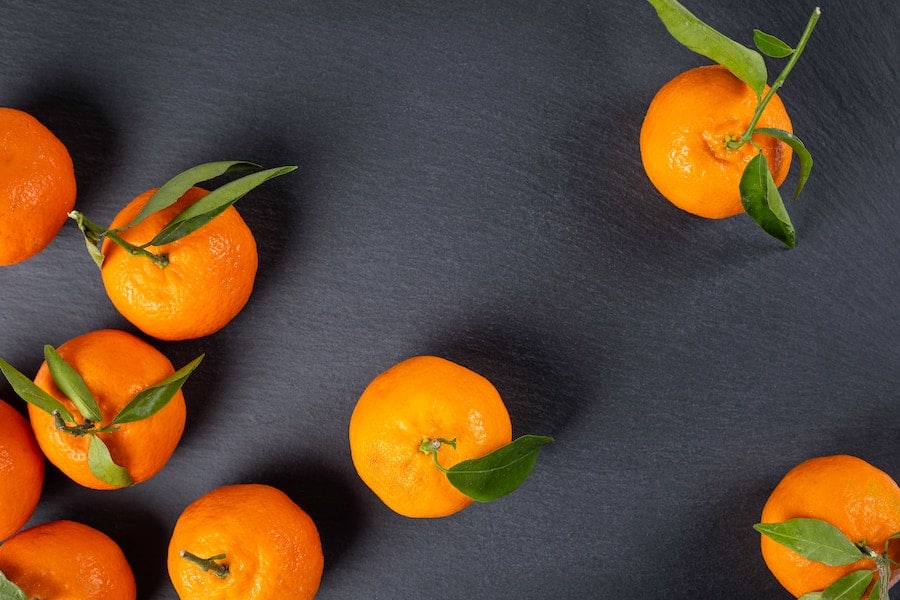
172, 190
761, 200
813, 539
151, 400
70, 383
851, 586
102, 465
746, 64
210, 206
31, 393
502, 471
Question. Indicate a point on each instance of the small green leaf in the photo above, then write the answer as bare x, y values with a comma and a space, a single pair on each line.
103, 467
851, 586
771, 45
746, 64
91, 239
498, 473
763, 203
31, 393
806, 161
151, 400
72, 385
811, 596
813, 539
210, 206
172, 190
9, 590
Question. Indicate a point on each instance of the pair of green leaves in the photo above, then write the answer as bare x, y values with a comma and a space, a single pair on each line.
144, 404
190, 219
759, 194
820, 541
493, 475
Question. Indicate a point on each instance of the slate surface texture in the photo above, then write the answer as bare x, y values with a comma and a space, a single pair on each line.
470, 186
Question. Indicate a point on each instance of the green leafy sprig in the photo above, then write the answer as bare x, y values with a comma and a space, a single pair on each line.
144, 404
759, 194
190, 219
494, 475
820, 541
9, 590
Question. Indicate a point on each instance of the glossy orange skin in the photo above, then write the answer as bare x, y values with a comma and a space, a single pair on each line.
65, 560
424, 397
21, 471
208, 280
859, 499
115, 365
683, 140
271, 546
37, 186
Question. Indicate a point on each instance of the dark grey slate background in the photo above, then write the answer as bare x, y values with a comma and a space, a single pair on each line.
470, 186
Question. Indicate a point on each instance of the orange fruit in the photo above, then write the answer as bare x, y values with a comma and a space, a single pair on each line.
37, 186
207, 281
859, 499
21, 471
257, 544
684, 134
424, 397
115, 365
65, 560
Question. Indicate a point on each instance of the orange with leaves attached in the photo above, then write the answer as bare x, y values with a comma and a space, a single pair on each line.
115, 366
685, 134
857, 498
65, 560
206, 280
245, 542
37, 186
424, 398
21, 471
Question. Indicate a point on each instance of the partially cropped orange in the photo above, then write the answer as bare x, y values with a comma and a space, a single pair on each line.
424, 397
245, 542
115, 365
862, 501
37, 186
21, 471
684, 135
206, 283
65, 560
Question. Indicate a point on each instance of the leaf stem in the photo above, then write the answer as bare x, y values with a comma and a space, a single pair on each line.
160, 260
208, 564
779, 81
430, 445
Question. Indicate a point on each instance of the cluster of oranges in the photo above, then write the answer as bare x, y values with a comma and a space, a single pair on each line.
106, 407
107, 410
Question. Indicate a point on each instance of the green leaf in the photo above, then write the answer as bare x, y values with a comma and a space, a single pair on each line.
875, 592
498, 473
72, 385
806, 161
813, 539
102, 465
763, 203
771, 45
851, 586
91, 238
207, 208
172, 190
811, 596
31, 393
9, 590
151, 400
746, 64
